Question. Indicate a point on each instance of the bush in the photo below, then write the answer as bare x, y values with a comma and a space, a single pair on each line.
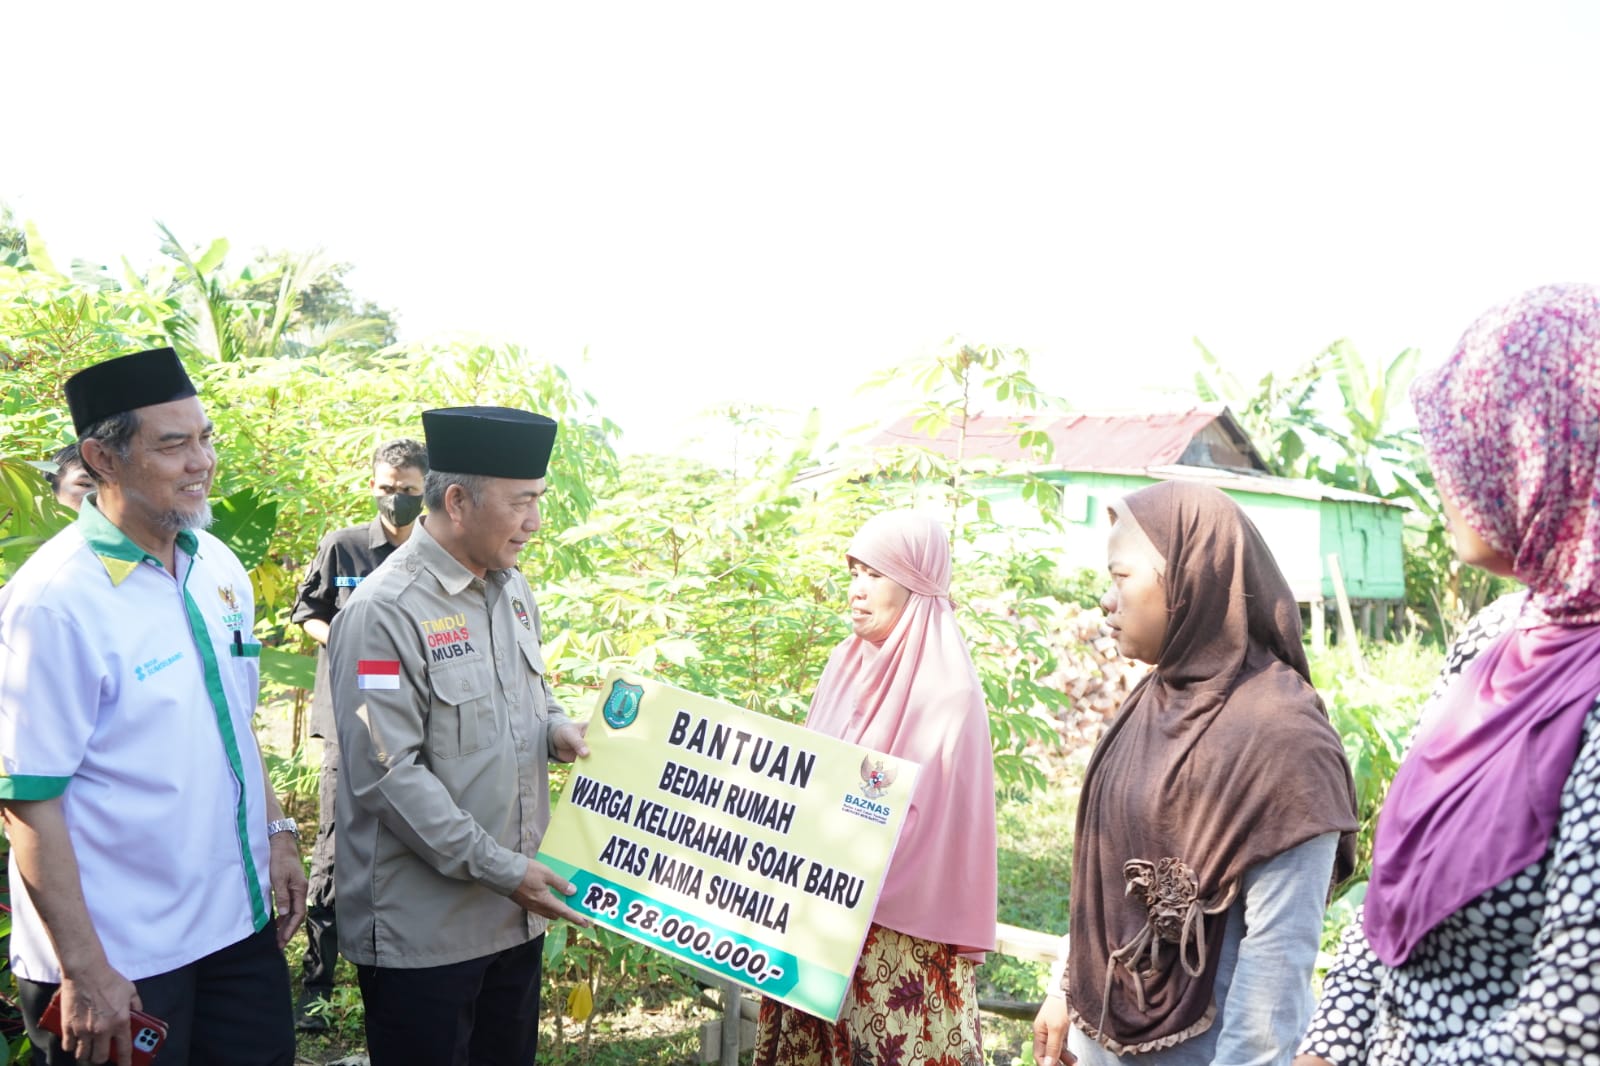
1374, 708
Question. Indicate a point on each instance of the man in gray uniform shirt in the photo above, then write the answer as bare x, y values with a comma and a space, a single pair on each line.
447, 722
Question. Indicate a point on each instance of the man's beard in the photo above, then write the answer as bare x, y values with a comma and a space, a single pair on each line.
176, 521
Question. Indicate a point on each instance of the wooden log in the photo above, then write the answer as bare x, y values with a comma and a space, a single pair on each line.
1347, 622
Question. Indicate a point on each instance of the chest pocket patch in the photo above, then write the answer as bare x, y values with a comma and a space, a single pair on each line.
462, 718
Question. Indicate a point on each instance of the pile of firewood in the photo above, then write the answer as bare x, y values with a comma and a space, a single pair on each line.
1090, 672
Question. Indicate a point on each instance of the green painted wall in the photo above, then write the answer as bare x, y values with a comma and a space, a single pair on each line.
1300, 532
1368, 540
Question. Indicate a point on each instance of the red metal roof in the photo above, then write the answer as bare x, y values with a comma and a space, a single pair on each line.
1082, 441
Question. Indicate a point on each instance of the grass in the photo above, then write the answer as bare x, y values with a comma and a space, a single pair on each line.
1034, 835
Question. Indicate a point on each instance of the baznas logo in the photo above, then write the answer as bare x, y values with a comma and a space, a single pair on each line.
875, 779
622, 705
229, 598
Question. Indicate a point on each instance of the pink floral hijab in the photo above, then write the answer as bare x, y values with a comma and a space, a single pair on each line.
1511, 424
917, 696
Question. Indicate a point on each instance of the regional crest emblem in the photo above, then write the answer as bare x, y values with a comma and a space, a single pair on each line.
876, 778
521, 613
622, 704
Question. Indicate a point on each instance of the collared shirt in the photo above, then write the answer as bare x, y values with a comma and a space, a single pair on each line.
445, 722
128, 692
344, 559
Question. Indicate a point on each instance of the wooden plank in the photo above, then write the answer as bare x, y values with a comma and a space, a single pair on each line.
1347, 623
1026, 944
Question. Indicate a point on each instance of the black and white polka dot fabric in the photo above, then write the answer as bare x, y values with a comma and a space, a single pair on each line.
1511, 978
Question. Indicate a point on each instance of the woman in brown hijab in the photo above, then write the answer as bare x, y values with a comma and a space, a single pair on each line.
1216, 813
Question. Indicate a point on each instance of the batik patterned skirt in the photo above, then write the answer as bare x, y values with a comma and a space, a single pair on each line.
910, 1002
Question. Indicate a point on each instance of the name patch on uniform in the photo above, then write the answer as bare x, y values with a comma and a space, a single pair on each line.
447, 637
151, 667
346, 581
378, 673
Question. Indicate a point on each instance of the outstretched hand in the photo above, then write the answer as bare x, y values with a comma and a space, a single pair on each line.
541, 892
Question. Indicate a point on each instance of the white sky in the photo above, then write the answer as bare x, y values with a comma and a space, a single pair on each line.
762, 202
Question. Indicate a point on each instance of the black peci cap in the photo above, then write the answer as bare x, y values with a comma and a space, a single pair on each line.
488, 441
126, 383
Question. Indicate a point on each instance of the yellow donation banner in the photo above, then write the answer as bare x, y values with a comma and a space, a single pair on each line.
740, 843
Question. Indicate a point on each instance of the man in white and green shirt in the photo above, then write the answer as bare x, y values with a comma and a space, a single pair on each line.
148, 851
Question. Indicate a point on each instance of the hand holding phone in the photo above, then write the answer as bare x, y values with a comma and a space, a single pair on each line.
146, 1032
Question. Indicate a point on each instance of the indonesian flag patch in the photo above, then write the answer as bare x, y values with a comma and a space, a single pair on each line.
378, 673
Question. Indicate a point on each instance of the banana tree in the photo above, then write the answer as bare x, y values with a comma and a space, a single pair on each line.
1377, 459
1278, 413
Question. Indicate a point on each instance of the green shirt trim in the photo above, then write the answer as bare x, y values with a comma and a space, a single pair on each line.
119, 555
230, 743
29, 787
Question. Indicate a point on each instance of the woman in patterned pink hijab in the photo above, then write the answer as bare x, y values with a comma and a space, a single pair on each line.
1511, 424
904, 684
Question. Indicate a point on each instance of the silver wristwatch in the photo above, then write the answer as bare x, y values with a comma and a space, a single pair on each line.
283, 825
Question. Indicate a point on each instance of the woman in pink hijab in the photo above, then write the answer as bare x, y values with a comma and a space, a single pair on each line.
1480, 935
903, 683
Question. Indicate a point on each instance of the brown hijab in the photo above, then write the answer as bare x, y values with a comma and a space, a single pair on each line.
1220, 759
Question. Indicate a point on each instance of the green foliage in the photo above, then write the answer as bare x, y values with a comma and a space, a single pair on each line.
50, 327
345, 1013
1277, 414
1376, 457
1442, 592
1356, 440
1361, 451
295, 780
616, 973
1008, 642
729, 584
325, 313
245, 522
289, 669
1374, 711
12, 240
29, 514
1038, 577
1034, 833
12, 1035
734, 587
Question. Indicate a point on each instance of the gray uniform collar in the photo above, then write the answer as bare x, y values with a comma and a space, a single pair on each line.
452, 575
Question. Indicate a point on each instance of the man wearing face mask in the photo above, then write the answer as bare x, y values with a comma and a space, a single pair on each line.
344, 558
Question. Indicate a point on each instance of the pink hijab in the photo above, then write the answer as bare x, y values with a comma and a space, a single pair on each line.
1511, 424
916, 696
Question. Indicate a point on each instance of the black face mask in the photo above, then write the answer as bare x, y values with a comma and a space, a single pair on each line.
399, 510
